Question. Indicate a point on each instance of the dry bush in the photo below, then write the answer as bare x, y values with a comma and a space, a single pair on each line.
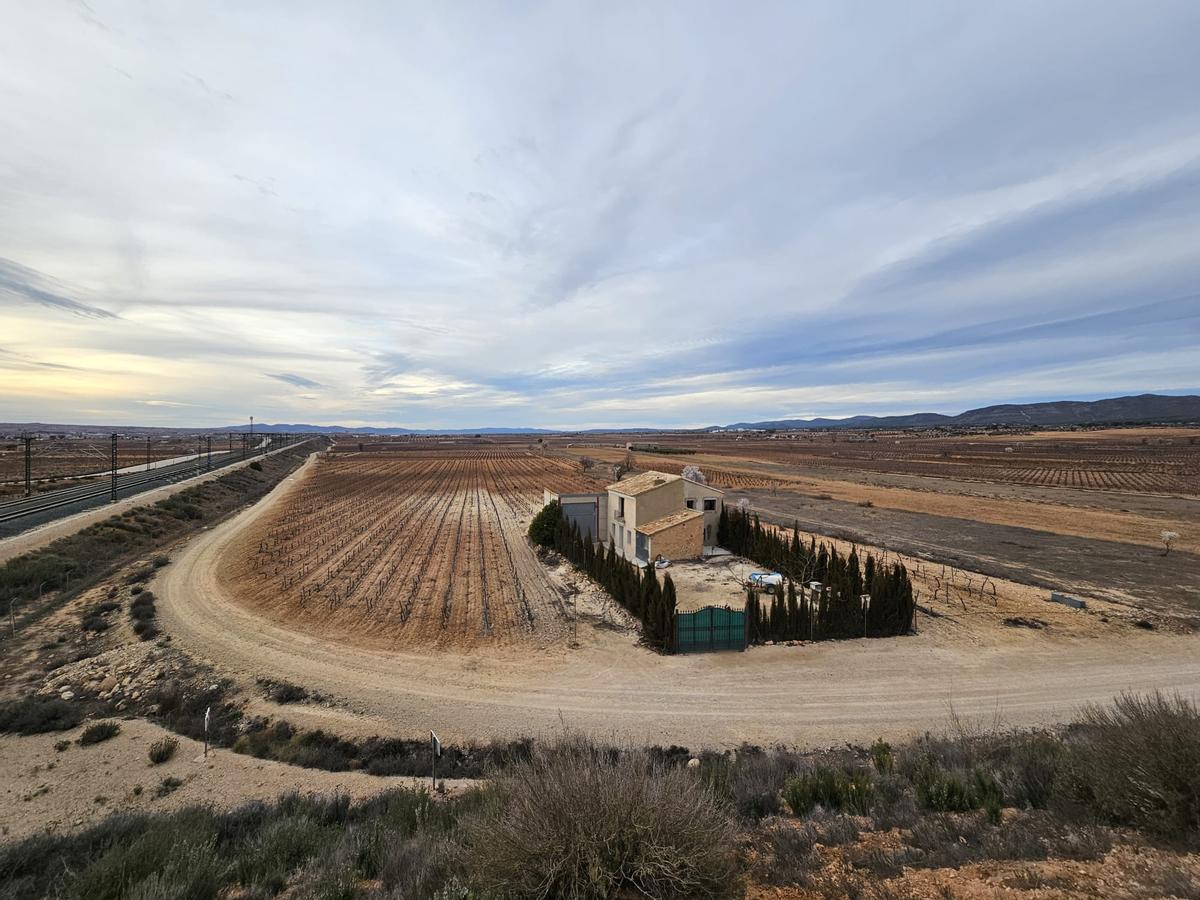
575, 821
99, 731
163, 750
1136, 763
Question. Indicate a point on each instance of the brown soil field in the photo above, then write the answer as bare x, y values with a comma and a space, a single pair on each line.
400, 549
1144, 460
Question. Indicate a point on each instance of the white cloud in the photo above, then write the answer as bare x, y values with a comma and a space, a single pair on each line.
452, 215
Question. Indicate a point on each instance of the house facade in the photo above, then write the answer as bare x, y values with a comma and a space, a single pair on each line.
708, 500
656, 514
646, 516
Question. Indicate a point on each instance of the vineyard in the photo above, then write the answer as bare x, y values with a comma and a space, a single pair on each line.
1132, 465
409, 549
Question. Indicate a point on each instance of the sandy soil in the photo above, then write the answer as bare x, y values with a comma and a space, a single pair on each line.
812, 695
47, 790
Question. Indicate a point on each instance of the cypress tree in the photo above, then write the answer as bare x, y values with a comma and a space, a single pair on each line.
667, 603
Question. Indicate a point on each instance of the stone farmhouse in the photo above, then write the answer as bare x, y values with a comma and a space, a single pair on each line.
648, 515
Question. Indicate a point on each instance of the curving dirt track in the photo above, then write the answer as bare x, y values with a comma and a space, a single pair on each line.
812, 696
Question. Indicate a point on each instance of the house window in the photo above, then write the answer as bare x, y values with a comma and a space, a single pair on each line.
690, 504
710, 504
621, 507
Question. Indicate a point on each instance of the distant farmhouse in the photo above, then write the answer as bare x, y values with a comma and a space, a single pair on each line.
648, 515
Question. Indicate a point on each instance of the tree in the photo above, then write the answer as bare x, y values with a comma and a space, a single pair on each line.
667, 603
545, 523
1168, 538
693, 473
585, 463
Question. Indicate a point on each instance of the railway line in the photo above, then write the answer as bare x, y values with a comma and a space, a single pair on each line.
20, 515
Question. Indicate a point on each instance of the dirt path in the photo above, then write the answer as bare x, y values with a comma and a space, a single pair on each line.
810, 696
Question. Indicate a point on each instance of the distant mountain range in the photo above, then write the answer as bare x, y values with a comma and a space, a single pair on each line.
1149, 408
1116, 410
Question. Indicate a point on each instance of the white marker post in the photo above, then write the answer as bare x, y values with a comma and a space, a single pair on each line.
207, 715
436, 746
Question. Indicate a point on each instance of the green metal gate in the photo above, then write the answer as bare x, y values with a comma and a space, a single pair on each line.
710, 628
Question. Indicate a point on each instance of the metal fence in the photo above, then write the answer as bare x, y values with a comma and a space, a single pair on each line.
710, 628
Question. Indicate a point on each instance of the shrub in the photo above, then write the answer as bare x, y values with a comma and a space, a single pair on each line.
38, 715
136, 590
256, 466
95, 623
1135, 763
163, 750
167, 786
414, 866
542, 528
752, 784
99, 731
285, 692
1027, 768
836, 790
139, 575
161, 560
573, 821
785, 855
147, 631
881, 757
942, 791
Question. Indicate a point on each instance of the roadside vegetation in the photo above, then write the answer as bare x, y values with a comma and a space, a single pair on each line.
576, 819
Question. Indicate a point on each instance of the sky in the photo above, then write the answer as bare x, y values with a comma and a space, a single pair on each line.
444, 215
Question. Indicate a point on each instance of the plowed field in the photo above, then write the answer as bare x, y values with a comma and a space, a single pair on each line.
408, 549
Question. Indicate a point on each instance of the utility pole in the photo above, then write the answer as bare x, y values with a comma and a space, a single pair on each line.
243, 445
28, 438
208, 443
199, 451
114, 468
147, 454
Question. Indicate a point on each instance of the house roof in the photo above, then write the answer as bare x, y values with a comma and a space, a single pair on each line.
675, 518
640, 484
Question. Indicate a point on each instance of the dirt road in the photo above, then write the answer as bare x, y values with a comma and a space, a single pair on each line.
814, 695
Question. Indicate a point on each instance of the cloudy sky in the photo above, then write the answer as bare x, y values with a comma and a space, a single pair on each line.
560, 214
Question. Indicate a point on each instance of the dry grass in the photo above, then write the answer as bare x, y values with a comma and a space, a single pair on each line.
576, 821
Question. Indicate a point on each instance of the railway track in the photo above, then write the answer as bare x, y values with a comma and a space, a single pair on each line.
18, 515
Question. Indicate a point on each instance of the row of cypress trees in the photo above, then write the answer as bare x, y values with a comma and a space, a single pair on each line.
637, 590
853, 598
